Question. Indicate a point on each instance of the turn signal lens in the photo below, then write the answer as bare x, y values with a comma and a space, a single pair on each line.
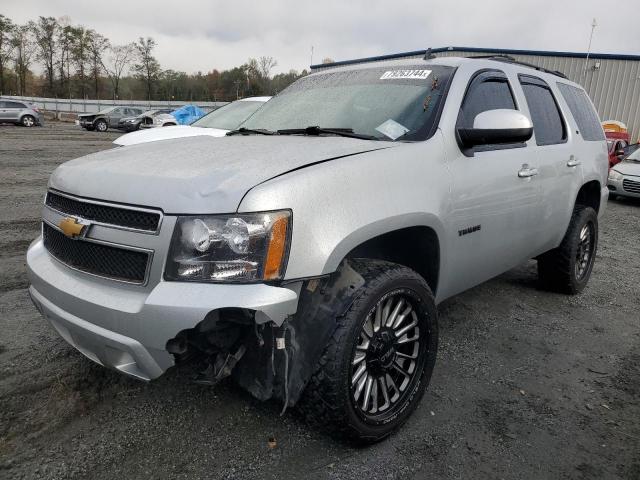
277, 249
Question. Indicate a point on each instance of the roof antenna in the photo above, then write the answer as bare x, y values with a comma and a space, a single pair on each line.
428, 55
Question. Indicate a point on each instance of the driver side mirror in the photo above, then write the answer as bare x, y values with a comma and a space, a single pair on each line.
494, 127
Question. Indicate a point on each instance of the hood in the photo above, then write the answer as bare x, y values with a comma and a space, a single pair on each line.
199, 174
628, 168
165, 133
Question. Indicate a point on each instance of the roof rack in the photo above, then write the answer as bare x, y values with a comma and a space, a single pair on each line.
510, 59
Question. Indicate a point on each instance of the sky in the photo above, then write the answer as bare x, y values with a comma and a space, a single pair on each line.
200, 35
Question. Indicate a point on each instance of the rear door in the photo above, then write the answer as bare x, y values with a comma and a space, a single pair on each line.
557, 161
494, 210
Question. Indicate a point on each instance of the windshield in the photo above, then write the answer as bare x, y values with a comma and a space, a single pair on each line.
635, 156
387, 103
229, 116
106, 110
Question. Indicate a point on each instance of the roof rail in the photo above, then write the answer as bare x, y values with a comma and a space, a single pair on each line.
510, 59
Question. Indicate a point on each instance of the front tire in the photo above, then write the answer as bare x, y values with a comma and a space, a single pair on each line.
379, 360
567, 269
101, 126
28, 121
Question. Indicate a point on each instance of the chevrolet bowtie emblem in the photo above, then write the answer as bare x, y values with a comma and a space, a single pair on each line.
71, 227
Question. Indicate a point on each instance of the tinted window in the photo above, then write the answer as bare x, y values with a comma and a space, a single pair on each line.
547, 121
583, 112
488, 91
14, 105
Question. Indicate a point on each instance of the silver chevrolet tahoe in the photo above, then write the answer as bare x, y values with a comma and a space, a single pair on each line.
304, 254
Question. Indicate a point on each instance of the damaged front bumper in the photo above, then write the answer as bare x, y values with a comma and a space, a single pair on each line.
126, 327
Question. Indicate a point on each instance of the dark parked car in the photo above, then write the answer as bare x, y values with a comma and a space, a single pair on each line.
107, 118
130, 124
20, 113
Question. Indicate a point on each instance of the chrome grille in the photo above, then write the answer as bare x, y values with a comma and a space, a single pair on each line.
97, 258
631, 186
121, 217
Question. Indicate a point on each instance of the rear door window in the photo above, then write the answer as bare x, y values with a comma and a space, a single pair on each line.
548, 125
583, 112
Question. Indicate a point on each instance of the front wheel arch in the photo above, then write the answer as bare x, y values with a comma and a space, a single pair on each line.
411, 240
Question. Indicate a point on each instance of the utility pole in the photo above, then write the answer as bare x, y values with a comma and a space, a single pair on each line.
311, 56
594, 24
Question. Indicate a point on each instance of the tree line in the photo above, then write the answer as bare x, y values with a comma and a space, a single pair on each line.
78, 62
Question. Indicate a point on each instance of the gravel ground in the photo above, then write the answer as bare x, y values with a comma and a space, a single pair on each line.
528, 384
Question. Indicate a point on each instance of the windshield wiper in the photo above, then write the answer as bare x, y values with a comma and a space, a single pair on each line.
250, 131
341, 132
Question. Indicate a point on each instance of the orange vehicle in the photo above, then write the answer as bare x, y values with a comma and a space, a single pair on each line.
618, 139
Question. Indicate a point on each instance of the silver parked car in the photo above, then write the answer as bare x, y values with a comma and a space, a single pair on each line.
305, 252
107, 118
624, 177
20, 113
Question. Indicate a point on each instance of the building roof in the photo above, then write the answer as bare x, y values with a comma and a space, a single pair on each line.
496, 51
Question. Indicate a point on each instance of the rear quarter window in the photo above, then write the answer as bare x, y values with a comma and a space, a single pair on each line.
583, 112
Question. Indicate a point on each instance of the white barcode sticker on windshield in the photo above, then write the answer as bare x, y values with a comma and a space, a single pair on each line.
405, 74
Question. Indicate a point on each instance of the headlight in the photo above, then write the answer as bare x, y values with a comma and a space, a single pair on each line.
230, 248
614, 175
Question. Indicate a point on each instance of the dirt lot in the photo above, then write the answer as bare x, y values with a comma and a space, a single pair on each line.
528, 384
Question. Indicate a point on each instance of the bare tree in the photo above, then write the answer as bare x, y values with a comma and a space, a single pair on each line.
147, 69
6, 47
46, 36
63, 62
24, 50
80, 55
265, 65
97, 46
118, 60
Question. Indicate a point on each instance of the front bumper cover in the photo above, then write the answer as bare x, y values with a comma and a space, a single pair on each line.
127, 327
616, 187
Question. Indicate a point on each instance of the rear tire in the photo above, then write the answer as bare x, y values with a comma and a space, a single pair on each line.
28, 121
101, 126
567, 269
357, 392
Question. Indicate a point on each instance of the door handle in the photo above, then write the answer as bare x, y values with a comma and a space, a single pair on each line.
573, 162
526, 171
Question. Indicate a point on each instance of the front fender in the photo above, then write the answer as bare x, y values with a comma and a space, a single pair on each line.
341, 203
